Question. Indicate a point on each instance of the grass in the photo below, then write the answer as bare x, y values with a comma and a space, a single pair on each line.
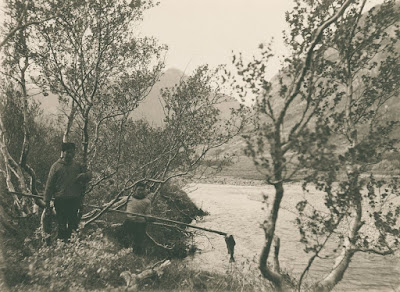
90, 262
95, 258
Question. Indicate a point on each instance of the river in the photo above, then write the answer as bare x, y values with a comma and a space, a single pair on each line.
238, 210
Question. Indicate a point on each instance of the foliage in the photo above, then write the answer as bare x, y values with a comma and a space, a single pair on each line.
27, 14
44, 135
192, 128
180, 206
102, 70
90, 262
89, 56
174, 204
365, 69
167, 240
14, 99
193, 124
12, 115
180, 277
322, 118
93, 60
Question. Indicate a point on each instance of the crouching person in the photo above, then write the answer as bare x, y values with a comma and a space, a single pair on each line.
66, 183
135, 226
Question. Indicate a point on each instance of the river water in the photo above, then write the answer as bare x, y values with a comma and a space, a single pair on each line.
238, 210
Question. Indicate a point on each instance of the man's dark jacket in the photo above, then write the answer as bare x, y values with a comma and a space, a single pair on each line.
63, 180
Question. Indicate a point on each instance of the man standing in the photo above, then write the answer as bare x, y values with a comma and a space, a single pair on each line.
135, 226
66, 183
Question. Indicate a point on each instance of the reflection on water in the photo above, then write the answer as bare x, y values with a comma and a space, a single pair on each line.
238, 210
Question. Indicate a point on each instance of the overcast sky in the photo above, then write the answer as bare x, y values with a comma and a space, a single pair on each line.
206, 31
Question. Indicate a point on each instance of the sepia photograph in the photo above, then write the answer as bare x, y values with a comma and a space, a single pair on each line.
200, 145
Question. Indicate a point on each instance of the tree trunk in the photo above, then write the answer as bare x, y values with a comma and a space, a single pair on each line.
343, 260
25, 146
12, 168
335, 276
23, 161
3, 224
85, 138
269, 226
70, 121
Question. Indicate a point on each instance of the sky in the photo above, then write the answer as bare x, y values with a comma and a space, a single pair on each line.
207, 31
201, 32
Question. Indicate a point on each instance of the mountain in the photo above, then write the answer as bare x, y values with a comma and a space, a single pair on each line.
387, 111
151, 108
48, 103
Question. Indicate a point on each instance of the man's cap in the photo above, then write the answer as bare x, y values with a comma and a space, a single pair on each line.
68, 146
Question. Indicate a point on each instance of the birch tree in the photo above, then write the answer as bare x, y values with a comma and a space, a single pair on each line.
92, 59
288, 108
17, 64
192, 128
361, 210
30, 13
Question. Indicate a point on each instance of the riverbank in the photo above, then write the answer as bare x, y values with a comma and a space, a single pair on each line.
238, 210
228, 180
93, 260
259, 181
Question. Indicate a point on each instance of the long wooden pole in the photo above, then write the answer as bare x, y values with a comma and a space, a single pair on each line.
151, 218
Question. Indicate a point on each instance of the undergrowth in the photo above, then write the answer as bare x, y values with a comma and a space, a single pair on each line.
91, 262
95, 257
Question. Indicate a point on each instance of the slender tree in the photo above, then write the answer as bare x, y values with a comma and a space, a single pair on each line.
92, 60
363, 65
20, 16
193, 126
288, 108
16, 100
30, 13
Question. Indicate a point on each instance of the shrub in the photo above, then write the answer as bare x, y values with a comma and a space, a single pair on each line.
91, 262
88, 261
94, 258
174, 204
166, 241
240, 277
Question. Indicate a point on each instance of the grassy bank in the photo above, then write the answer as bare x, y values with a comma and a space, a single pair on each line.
92, 263
96, 257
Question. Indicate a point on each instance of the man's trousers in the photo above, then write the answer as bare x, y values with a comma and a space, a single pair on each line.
67, 216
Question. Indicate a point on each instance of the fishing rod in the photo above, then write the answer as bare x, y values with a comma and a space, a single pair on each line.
229, 240
149, 217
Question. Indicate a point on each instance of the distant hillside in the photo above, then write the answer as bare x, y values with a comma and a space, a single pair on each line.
151, 108
244, 168
49, 103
